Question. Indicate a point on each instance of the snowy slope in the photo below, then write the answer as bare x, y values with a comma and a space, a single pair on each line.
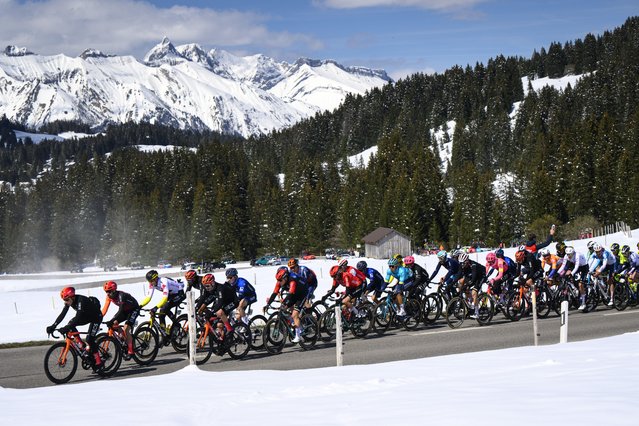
183, 86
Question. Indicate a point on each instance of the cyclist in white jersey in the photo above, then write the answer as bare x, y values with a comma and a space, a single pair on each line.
172, 295
576, 264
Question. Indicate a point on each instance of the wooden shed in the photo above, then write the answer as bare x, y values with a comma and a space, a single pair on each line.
383, 243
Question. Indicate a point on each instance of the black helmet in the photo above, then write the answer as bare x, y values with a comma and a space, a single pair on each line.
361, 265
614, 247
231, 272
152, 275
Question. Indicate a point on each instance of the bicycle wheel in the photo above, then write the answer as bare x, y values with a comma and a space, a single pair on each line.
111, 354
456, 312
382, 317
327, 325
179, 333
516, 306
544, 303
310, 331
58, 367
485, 309
413, 314
275, 335
204, 345
362, 322
431, 309
146, 345
622, 295
238, 342
256, 325
591, 300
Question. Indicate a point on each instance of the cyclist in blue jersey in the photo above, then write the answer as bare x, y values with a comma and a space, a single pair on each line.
604, 265
404, 276
376, 283
453, 274
303, 274
245, 293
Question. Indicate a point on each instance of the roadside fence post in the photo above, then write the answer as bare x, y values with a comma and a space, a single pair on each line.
563, 329
190, 307
339, 347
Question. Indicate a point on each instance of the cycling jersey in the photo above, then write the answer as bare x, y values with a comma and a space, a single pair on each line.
453, 270
402, 274
530, 268
474, 274
245, 290
420, 274
578, 260
297, 291
553, 261
123, 300
376, 282
350, 278
605, 260
500, 265
167, 286
86, 311
306, 275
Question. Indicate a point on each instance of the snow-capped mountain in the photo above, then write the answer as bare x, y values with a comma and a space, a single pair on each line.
183, 86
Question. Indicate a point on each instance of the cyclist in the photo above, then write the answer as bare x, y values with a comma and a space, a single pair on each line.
222, 296
604, 264
193, 280
245, 293
87, 312
297, 292
451, 276
172, 295
303, 273
473, 275
420, 274
633, 263
529, 267
376, 283
353, 280
532, 246
576, 265
615, 250
495, 263
404, 277
128, 312
547, 258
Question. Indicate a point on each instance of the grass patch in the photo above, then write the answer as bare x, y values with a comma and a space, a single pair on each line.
25, 344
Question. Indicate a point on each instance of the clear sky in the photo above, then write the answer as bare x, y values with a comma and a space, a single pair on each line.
400, 36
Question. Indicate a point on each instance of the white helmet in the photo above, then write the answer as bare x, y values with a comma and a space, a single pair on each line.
597, 247
544, 252
463, 257
570, 251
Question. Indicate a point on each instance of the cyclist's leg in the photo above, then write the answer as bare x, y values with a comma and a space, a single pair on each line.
129, 324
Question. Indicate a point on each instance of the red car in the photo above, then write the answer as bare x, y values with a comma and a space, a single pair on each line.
308, 257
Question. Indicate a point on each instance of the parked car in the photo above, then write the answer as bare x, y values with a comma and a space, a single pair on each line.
189, 265
77, 267
308, 257
263, 261
136, 265
228, 260
164, 264
109, 265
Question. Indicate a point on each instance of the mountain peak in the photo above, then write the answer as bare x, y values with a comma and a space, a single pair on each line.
17, 51
93, 53
163, 53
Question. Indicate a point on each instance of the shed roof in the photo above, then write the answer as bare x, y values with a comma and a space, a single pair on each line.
379, 234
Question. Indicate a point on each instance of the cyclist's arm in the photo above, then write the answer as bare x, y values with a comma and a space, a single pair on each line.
105, 308
61, 316
147, 299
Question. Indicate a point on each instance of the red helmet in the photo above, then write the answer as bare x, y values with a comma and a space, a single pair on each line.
292, 262
208, 279
67, 292
409, 260
282, 272
110, 286
520, 256
190, 275
490, 258
343, 262
334, 270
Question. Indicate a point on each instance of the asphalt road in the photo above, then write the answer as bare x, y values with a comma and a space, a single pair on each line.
23, 367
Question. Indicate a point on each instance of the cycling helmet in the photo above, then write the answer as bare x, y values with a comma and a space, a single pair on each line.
521, 248
499, 253
597, 247
152, 275
614, 247
590, 245
67, 292
208, 279
441, 255
281, 273
570, 251
409, 260
399, 258
190, 275
110, 286
544, 252
231, 272
292, 262
361, 265
334, 270
520, 256
463, 257
491, 258
343, 262
625, 250
393, 262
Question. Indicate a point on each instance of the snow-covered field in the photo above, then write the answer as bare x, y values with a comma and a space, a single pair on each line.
583, 383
